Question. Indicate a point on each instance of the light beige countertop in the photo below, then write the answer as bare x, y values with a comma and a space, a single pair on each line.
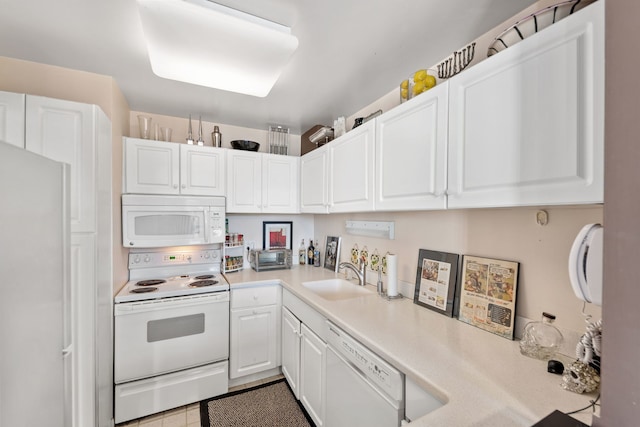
482, 378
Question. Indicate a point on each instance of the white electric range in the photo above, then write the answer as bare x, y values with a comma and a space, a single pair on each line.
171, 331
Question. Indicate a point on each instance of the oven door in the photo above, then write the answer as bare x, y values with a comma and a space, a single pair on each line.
159, 336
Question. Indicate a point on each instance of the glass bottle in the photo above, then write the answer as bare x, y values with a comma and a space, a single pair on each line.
302, 254
310, 252
541, 340
316, 255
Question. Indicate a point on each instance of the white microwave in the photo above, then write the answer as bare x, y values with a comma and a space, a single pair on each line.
160, 221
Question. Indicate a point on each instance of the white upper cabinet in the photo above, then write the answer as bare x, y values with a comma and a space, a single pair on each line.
151, 167
12, 123
526, 125
67, 132
261, 183
202, 170
280, 180
351, 159
156, 167
314, 181
411, 153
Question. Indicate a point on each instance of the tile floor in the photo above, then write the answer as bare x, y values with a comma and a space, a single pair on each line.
184, 416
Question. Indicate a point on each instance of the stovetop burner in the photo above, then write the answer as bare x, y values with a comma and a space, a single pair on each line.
202, 283
151, 282
143, 290
205, 276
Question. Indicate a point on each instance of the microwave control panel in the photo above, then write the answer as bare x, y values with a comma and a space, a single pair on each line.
163, 259
217, 224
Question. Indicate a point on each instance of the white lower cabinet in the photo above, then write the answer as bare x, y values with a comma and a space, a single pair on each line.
254, 330
291, 335
304, 355
313, 353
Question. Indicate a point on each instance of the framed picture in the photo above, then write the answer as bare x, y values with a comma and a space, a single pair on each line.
332, 253
436, 279
277, 235
488, 294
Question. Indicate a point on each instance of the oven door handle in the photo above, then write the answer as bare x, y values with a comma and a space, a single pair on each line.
167, 303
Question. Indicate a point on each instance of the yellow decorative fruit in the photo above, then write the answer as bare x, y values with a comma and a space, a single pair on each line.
419, 75
404, 93
419, 87
429, 81
404, 84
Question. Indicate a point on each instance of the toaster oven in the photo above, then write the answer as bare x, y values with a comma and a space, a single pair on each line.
270, 259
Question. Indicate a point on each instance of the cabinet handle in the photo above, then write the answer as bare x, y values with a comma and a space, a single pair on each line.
175, 185
184, 185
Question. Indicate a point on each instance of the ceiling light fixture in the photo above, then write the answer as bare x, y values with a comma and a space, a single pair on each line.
207, 44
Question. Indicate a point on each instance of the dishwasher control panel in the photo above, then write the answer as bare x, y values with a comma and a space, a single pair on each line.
371, 365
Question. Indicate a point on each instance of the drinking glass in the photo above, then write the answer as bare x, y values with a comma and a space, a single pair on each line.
144, 122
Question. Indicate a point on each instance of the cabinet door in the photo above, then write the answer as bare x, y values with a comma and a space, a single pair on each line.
202, 170
312, 374
411, 144
12, 118
83, 297
151, 167
291, 350
244, 186
279, 184
65, 131
254, 340
314, 182
351, 159
526, 125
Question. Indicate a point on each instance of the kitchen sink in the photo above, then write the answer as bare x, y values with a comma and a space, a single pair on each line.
337, 289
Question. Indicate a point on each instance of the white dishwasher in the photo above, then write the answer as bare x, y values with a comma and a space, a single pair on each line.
361, 388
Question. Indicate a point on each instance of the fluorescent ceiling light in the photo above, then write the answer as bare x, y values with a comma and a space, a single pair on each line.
204, 43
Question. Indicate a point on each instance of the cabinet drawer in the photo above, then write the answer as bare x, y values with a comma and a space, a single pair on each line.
307, 315
255, 297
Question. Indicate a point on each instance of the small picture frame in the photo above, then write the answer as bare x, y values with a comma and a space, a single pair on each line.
332, 253
277, 235
488, 294
436, 279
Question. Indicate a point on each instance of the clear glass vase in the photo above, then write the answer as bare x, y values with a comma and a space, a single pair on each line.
541, 340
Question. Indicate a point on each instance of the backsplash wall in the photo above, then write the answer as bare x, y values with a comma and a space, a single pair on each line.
509, 234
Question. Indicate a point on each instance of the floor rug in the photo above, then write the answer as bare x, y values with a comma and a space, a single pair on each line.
266, 405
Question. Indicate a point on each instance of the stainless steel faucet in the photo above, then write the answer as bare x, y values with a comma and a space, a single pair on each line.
361, 273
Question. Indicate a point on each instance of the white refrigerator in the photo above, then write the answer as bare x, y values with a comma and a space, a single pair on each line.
35, 334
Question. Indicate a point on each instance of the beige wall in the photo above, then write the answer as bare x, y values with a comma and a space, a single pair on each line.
79, 86
510, 234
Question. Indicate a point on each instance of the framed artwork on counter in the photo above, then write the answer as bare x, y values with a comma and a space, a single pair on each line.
436, 279
488, 294
332, 253
277, 235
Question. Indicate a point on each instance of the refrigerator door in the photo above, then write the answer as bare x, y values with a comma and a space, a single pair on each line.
34, 273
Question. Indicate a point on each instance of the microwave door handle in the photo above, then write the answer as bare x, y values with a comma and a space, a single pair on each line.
206, 226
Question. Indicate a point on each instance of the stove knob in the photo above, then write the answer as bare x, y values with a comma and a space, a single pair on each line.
147, 258
136, 260
206, 255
